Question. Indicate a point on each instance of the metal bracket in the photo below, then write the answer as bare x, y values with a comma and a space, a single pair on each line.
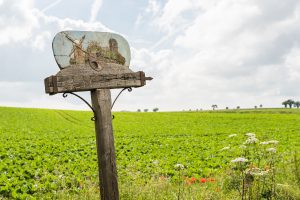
87, 103
129, 90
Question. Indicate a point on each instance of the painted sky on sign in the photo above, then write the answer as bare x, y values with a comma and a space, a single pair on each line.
199, 52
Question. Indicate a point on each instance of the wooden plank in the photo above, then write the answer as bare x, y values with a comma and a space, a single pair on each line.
101, 102
75, 83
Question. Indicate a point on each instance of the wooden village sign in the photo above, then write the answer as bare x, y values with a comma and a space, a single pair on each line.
96, 62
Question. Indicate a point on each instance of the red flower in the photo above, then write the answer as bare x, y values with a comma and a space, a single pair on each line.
203, 180
193, 179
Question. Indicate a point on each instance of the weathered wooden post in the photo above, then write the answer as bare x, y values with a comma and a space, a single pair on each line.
96, 62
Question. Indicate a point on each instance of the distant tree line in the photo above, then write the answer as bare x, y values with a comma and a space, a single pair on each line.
290, 103
146, 110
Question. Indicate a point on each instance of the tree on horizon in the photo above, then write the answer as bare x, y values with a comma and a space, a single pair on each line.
155, 109
297, 104
214, 106
289, 103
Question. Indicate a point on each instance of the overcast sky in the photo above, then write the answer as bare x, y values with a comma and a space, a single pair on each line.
199, 52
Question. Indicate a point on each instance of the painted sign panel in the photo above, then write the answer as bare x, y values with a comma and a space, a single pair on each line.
92, 60
96, 49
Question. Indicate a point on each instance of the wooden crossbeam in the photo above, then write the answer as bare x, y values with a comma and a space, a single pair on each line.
75, 83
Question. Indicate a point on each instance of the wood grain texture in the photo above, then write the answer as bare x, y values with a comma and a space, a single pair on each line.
78, 82
101, 101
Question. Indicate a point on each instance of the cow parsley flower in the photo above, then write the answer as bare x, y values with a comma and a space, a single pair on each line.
250, 134
256, 172
273, 142
243, 146
271, 150
179, 166
269, 142
232, 135
264, 143
155, 162
224, 148
239, 160
251, 140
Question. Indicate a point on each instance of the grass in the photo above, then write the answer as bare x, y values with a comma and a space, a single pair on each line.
52, 153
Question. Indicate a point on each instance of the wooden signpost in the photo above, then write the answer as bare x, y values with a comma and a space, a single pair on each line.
96, 62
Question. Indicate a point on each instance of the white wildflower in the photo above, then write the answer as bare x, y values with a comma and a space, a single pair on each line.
243, 146
232, 135
264, 143
273, 142
179, 166
250, 134
239, 160
155, 162
271, 150
224, 148
269, 142
256, 172
251, 140
262, 173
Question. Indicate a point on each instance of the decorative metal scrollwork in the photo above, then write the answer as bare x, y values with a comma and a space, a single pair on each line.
87, 103
129, 90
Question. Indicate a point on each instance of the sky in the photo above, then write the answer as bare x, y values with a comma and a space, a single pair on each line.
199, 52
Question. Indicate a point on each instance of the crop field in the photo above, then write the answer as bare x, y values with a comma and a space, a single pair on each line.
51, 154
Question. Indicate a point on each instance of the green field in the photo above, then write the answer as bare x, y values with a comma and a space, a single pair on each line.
52, 153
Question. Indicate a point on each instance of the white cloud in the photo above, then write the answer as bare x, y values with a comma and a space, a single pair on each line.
292, 61
95, 9
16, 21
26, 34
233, 52
39, 42
172, 13
51, 5
31, 94
153, 7
21, 21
